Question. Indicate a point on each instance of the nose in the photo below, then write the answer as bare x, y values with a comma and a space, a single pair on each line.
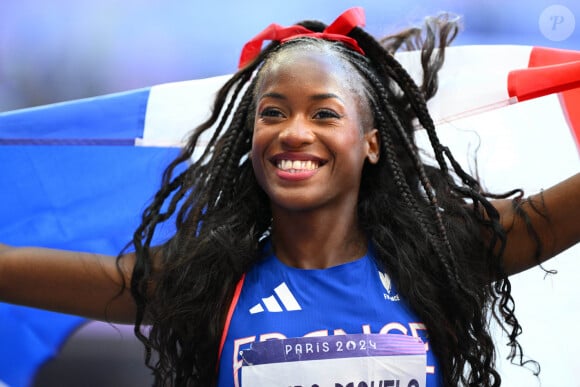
297, 134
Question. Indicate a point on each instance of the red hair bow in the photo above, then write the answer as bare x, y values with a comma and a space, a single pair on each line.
337, 31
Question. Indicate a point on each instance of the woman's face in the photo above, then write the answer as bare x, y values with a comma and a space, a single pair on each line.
308, 146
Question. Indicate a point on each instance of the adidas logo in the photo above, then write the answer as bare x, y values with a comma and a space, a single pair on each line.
272, 304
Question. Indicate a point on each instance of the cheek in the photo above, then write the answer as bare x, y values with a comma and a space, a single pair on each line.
354, 145
256, 157
258, 145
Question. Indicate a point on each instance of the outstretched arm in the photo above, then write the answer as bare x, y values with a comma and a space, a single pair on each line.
83, 284
555, 217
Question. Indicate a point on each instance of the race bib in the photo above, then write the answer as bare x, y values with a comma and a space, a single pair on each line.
354, 360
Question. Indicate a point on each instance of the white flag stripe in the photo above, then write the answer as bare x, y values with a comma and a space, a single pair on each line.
271, 304
470, 65
174, 109
287, 297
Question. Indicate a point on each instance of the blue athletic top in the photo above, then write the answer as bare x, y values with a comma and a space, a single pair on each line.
277, 301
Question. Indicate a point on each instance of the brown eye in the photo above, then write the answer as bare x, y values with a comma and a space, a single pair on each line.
270, 112
325, 114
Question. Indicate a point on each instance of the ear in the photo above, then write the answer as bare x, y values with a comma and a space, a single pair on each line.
372, 146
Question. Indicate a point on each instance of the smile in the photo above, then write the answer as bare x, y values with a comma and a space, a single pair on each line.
297, 165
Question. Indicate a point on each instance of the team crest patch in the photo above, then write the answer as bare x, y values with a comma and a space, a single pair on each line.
391, 293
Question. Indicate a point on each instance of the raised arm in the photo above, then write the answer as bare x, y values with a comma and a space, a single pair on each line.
556, 220
83, 284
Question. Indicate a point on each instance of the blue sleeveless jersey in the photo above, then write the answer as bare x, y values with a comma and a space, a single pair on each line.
278, 301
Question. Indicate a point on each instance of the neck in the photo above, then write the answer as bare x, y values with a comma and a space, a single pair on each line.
317, 239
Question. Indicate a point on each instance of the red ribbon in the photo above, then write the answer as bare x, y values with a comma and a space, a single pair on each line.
337, 31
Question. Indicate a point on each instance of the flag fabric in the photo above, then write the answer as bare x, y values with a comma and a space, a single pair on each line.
77, 175
85, 196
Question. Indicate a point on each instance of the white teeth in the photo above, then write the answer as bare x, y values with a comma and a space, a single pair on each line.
297, 165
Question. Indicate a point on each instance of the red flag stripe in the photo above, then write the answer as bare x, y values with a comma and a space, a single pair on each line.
535, 82
570, 101
551, 71
542, 56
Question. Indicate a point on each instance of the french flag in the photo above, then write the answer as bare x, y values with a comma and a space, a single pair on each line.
77, 175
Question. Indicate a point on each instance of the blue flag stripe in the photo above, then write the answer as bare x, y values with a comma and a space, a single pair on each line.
115, 116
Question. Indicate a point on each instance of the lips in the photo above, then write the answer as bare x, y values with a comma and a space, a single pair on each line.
296, 162
296, 166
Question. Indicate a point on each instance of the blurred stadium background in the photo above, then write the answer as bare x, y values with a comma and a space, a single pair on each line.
59, 50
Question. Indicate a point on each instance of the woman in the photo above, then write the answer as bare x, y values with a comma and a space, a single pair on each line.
312, 186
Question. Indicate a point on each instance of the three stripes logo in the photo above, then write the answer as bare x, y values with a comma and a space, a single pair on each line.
282, 300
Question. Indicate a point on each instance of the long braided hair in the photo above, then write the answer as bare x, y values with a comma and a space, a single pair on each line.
424, 221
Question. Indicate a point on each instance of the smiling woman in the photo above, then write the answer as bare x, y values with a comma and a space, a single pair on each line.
269, 229
311, 214
311, 140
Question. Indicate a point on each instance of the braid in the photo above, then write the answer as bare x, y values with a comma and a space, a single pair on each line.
236, 145
437, 33
406, 191
482, 371
143, 266
451, 268
187, 325
503, 286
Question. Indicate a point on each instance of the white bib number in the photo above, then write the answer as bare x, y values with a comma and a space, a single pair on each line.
359, 360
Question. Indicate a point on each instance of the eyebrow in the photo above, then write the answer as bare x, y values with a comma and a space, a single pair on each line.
315, 97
